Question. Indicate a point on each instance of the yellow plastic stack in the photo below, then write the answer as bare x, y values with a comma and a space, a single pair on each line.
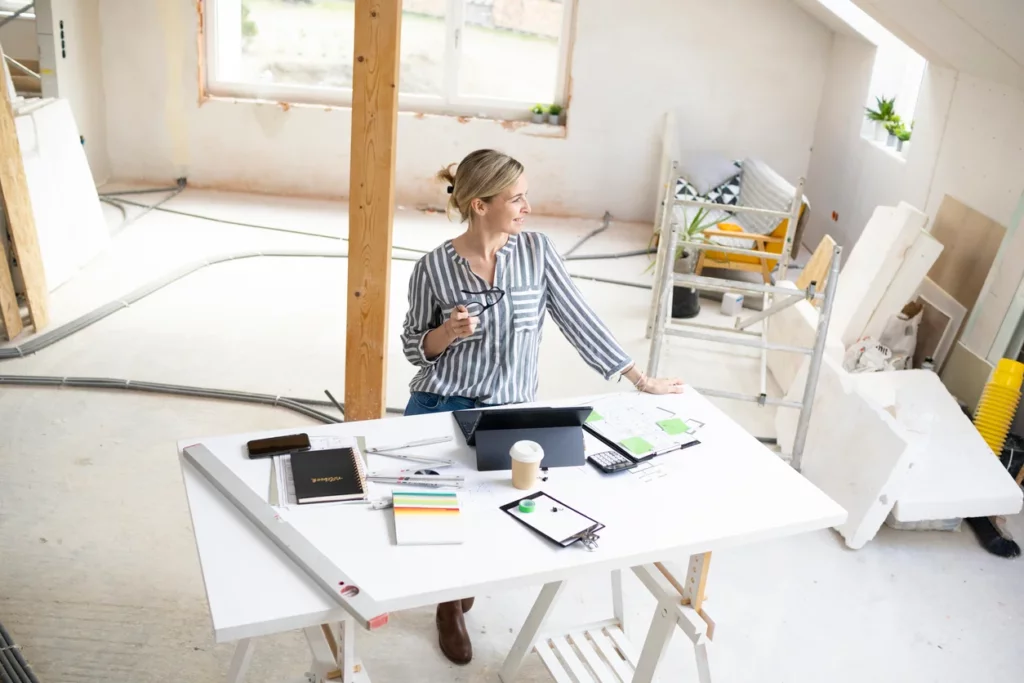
998, 403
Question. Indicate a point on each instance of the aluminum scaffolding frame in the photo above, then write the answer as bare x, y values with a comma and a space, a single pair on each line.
775, 299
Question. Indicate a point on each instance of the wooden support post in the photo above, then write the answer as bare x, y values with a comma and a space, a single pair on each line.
378, 26
21, 224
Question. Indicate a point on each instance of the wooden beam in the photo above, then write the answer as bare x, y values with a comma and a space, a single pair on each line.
20, 219
378, 26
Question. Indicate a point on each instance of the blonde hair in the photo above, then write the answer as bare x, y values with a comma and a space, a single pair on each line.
483, 174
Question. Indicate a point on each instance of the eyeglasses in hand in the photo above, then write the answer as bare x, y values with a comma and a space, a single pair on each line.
476, 308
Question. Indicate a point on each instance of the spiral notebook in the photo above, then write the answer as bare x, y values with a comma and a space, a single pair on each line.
328, 475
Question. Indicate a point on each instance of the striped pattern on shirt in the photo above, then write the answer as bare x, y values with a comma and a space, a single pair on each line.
497, 365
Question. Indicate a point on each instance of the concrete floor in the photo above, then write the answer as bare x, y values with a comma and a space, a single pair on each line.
99, 579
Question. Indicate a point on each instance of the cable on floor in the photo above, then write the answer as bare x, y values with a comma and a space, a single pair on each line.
13, 667
301, 406
606, 220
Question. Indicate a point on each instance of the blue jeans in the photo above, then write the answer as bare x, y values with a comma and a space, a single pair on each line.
422, 403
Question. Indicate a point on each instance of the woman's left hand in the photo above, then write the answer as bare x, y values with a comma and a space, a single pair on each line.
657, 385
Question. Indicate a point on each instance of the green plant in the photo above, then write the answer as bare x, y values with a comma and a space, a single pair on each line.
694, 232
249, 29
555, 109
885, 110
894, 124
903, 133
537, 109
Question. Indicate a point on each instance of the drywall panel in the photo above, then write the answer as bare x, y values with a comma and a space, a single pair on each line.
970, 240
965, 375
774, 53
955, 474
997, 312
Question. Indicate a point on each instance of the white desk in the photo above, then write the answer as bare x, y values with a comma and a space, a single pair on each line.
727, 491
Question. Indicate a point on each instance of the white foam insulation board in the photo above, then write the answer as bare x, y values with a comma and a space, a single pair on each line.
855, 452
956, 475
795, 326
872, 268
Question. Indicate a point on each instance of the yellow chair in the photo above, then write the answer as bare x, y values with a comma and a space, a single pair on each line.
772, 243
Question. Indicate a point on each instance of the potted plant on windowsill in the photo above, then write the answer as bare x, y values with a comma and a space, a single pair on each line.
884, 111
903, 137
892, 127
555, 115
686, 300
538, 113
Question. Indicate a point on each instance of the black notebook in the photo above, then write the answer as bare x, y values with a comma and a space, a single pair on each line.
329, 475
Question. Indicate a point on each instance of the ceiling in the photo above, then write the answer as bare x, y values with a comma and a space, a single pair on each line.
979, 37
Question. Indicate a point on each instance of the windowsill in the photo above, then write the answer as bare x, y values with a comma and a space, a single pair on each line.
524, 127
900, 156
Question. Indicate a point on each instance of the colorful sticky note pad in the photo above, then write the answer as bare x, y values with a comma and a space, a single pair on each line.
594, 417
637, 445
674, 426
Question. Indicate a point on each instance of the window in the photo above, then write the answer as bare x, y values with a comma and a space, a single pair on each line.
493, 58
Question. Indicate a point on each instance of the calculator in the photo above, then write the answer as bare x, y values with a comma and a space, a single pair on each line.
611, 461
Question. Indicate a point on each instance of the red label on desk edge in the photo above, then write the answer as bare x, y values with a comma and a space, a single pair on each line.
378, 621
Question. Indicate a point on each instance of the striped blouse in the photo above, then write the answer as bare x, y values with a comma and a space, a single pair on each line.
498, 364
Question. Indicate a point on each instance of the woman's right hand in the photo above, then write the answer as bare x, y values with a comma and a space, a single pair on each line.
461, 324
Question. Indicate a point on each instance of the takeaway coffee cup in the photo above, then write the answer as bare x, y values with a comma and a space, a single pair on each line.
526, 457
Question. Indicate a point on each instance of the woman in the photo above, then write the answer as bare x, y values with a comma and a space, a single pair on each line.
476, 307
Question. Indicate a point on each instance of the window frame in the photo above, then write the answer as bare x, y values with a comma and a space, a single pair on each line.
450, 103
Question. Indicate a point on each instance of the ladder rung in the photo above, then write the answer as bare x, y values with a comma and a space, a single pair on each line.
752, 398
739, 341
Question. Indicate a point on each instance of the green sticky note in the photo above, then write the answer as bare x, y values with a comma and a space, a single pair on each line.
674, 426
637, 445
594, 417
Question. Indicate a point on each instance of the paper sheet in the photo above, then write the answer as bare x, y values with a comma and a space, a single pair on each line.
553, 519
639, 426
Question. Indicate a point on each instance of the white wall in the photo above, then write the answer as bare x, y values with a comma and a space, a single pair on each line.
80, 77
968, 142
19, 39
750, 72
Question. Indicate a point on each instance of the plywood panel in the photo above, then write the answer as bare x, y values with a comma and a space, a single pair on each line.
371, 204
20, 220
10, 317
970, 240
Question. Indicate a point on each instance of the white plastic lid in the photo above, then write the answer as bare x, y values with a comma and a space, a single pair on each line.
527, 452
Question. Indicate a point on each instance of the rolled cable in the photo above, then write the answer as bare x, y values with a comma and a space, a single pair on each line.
7, 642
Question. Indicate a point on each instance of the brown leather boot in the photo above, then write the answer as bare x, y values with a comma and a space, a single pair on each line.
467, 604
451, 633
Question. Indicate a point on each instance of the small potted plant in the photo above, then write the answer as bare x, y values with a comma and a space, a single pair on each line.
686, 300
884, 111
555, 115
538, 113
894, 125
903, 137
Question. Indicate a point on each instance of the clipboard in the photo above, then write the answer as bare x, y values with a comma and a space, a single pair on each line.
554, 520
